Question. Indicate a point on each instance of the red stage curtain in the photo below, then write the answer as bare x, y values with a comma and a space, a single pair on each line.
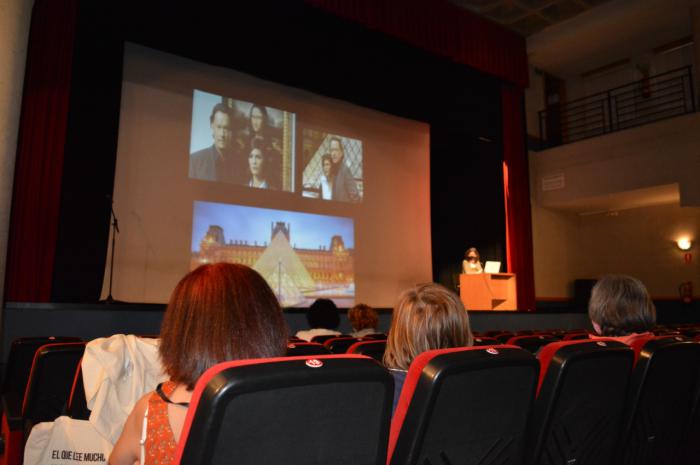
516, 186
39, 161
443, 29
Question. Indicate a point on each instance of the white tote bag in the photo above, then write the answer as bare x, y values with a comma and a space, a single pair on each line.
66, 441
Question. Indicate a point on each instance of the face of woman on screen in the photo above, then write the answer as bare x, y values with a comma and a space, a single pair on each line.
327, 167
256, 119
256, 162
336, 151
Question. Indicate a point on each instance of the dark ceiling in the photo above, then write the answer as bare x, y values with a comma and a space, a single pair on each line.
527, 17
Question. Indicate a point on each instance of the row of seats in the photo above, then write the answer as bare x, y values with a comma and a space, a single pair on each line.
687, 330
578, 402
371, 346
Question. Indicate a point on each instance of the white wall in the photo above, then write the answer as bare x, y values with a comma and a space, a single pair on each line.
14, 31
656, 154
534, 101
638, 242
580, 229
577, 87
557, 260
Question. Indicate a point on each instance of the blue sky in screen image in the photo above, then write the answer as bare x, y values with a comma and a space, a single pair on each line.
240, 223
202, 104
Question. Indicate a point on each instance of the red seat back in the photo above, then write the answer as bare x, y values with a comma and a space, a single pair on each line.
310, 410
532, 343
374, 349
295, 349
464, 405
662, 395
339, 345
580, 402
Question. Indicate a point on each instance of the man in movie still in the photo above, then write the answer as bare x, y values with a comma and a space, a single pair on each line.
220, 161
344, 187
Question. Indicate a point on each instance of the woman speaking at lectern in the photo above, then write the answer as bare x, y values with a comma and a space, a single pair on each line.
472, 262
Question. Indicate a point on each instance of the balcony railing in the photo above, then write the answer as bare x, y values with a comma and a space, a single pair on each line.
645, 101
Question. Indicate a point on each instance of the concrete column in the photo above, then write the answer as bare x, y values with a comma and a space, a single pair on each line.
14, 31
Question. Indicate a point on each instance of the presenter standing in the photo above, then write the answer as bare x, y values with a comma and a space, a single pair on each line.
472, 262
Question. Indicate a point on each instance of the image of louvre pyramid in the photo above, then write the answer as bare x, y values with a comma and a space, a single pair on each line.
284, 271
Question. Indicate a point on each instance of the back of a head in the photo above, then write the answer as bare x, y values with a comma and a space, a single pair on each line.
218, 313
620, 305
426, 317
362, 316
323, 313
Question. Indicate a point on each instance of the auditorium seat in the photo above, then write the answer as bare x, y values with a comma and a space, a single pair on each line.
19, 364
45, 397
493, 332
666, 332
690, 332
376, 336
295, 349
77, 404
575, 336
580, 402
14, 381
464, 405
503, 337
485, 341
374, 349
662, 392
690, 450
315, 411
51, 380
325, 337
531, 343
340, 345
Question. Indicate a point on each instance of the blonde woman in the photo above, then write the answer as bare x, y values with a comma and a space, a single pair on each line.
426, 317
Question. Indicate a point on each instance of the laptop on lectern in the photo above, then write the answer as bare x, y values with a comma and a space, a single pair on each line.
492, 267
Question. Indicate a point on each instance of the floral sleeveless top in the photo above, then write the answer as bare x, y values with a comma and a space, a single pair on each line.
160, 442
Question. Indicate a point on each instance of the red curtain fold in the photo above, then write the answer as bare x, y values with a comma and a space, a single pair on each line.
39, 160
516, 185
443, 29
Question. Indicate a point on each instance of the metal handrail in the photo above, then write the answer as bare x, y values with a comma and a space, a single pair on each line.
643, 101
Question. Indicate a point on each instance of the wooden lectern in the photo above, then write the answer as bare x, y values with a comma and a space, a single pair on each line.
486, 291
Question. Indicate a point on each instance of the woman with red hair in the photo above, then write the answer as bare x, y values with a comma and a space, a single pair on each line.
216, 313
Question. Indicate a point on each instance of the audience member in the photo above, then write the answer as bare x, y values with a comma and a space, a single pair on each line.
216, 313
620, 307
426, 317
323, 318
363, 319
